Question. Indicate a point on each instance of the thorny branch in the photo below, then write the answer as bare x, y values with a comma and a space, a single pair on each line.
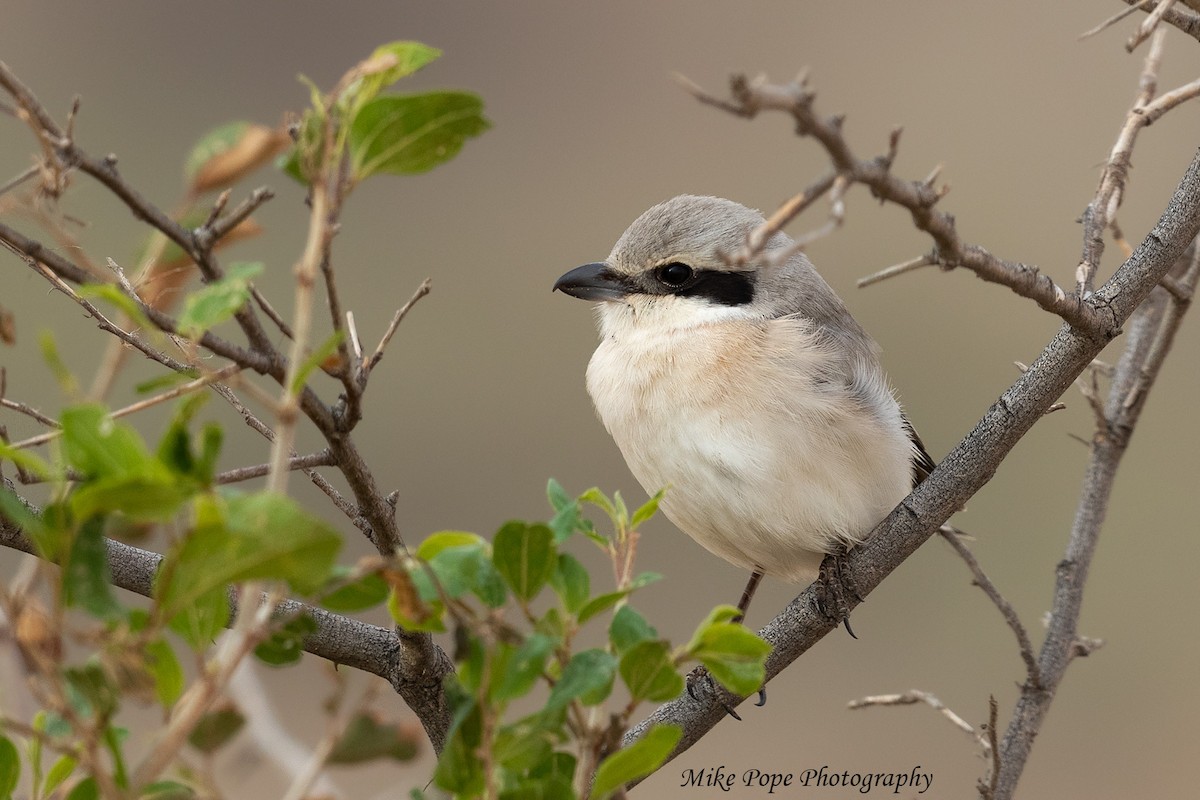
418, 665
1092, 320
750, 97
1184, 19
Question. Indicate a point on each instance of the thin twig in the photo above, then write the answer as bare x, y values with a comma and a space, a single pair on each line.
1110, 191
365, 371
1149, 25
783, 215
913, 696
142, 405
19, 179
1185, 20
270, 311
1113, 20
345, 506
1009, 613
894, 270
749, 98
216, 227
322, 458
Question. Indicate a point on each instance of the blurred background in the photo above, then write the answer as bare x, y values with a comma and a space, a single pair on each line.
481, 399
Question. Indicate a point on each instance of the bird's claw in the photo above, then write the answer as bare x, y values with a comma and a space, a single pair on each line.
834, 585
700, 677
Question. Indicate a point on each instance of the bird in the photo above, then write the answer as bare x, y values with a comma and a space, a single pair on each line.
747, 389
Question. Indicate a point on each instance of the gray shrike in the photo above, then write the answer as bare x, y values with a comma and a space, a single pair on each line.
749, 391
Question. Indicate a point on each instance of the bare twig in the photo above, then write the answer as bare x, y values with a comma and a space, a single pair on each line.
365, 371
142, 405
1149, 24
1148, 340
783, 215
951, 535
913, 696
216, 227
320, 459
23, 408
12, 183
1113, 20
969, 466
895, 269
748, 98
270, 311
1109, 193
1185, 20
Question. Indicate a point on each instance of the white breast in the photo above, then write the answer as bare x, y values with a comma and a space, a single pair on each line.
769, 463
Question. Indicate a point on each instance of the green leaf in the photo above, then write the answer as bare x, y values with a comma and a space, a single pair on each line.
366, 591
627, 628
216, 728
315, 359
719, 614
246, 537
572, 582
165, 669
178, 451
59, 771
601, 602
457, 568
489, 585
409, 134
123, 476
588, 676
595, 497
523, 668
27, 461
367, 737
648, 509
734, 656
557, 495
286, 645
167, 790
437, 542
86, 789
459, 768
101, 447
48, 539
521, 746
113, 737
213, 304
87, 580
66, 381
649, 673
635, 761
111, 294
213, 144
200, 621
525, 556
390, 62
10, 767
91, 691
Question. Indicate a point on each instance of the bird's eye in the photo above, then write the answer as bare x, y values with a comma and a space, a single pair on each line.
674, 274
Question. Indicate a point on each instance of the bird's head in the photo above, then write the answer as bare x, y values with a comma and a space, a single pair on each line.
674, 267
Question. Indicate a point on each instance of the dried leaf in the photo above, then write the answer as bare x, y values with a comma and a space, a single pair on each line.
231, 152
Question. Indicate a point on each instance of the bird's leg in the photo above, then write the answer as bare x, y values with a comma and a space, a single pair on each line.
834, 585
743, 606
748, 594
700, 674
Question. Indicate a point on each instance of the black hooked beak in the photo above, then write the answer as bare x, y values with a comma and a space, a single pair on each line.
595, 281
